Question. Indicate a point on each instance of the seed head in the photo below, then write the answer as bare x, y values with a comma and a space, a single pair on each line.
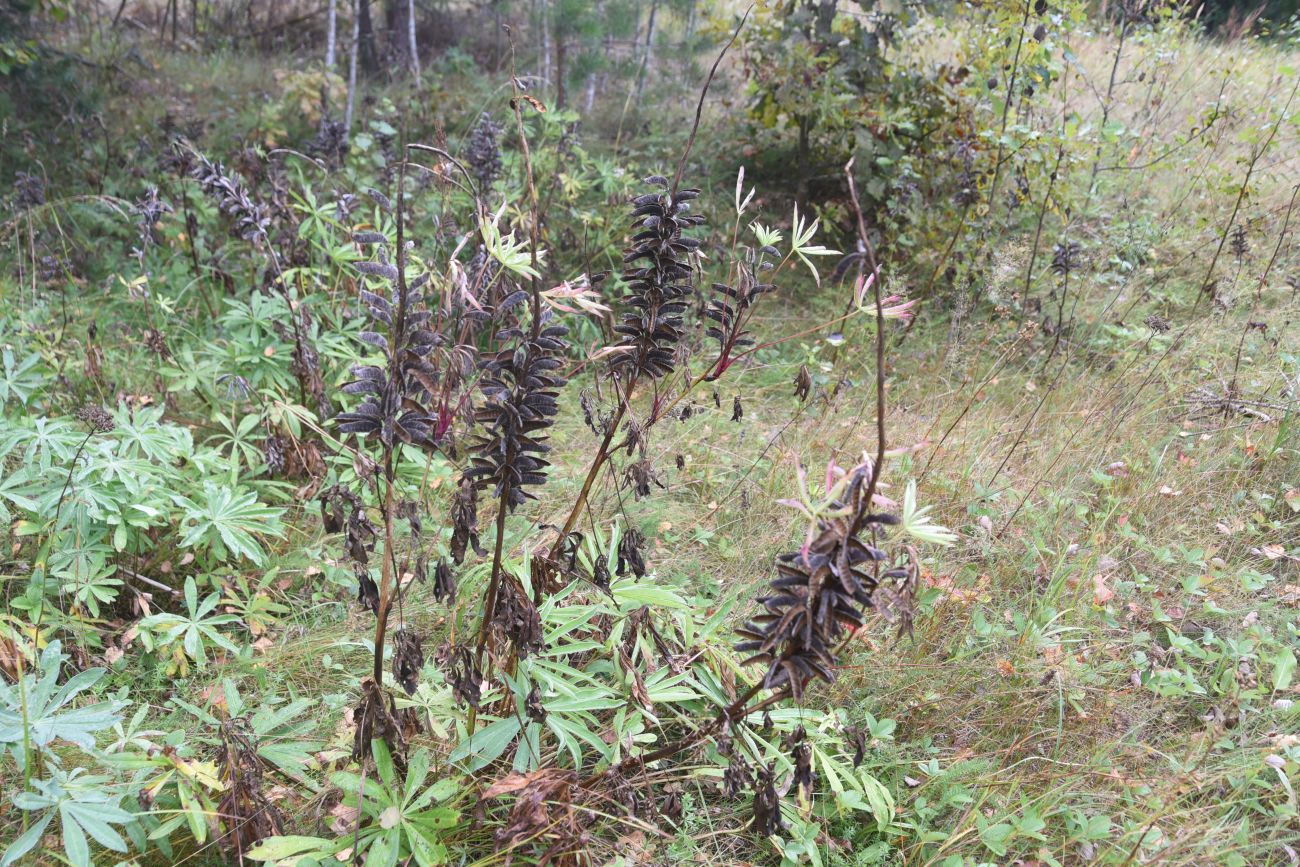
97, 417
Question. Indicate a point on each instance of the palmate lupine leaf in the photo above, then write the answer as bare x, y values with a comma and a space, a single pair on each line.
401, 824
194, 630
282, 729
228, 521
19, 379
14, 488
84, 808
915, 521
46, 707
801, 234
513, 254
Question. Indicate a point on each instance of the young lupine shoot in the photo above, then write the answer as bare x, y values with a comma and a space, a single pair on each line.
917, 524
513, 254
801, 235
743, 204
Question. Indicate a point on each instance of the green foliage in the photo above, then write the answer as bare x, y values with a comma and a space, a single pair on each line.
226, 523
84, 810
826, 84
188, 633
37, 711
1102, 666
400, 820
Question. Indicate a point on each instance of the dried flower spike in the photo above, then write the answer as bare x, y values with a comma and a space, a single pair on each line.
658, 279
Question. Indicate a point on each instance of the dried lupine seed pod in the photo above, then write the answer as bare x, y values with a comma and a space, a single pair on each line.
766, 819
803, 383
444, 583
408, 659
629, 553
658, 277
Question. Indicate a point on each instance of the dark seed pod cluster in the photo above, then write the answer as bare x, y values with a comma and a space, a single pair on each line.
520, 386
731, 306
463, 675
1240, 243
640, 475
803, 383
464, 521
444, 582
29, 190
377, 718
818, 594
97, 418
737, 777
342, 511
968, 177
247, 815
629, 553
515, 618
408, 659
249, 217
367, 589
1067, 257
396, 394
533, 705
804, 776
767, 805
658, 278
148, 212
484, 152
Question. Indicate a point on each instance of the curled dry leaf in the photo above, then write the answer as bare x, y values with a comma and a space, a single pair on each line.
1101, 594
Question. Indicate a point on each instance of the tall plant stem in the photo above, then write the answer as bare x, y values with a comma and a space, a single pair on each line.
1259, 289
54, 529
1006, 107
385, 581
389, 576
489, 599
1038, 235
1105, 106
534, 228
503, 502
602, 453
880, 339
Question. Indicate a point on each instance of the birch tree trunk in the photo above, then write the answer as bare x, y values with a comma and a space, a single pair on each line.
546, 42
561, 71
352, 67
331, 38
410, 35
